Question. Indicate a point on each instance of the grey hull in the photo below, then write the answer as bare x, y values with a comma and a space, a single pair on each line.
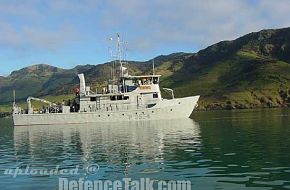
165, 109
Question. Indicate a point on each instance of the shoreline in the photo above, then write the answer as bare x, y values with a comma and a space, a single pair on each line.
240, 108
5, 114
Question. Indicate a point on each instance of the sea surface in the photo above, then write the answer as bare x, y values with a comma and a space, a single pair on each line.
247, 149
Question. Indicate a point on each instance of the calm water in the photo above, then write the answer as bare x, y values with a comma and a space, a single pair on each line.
216, 150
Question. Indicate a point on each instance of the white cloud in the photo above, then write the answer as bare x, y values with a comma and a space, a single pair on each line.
73, 6
31, 37
46, 24
50, 39
200, 22
147, 23
9, 37
14, 8
275, 12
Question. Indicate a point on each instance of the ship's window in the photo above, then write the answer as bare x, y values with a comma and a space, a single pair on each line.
170, 109
113, 98
119, 97
108, 115
155, 80
130, 88
150, 105
155, 95
123, 114
93, 99
99, 115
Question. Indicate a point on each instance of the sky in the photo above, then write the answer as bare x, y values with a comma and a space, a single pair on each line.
66, 33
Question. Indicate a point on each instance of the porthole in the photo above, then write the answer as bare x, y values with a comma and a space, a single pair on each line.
136, 113
108, 115
152, 111
99, 115
178, 102
123, 114
170, 109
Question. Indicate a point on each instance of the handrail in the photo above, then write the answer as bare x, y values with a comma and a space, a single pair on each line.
36, 99
170, 90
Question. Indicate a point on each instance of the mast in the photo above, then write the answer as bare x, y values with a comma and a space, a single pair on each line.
118, 59
117, 56
119, 51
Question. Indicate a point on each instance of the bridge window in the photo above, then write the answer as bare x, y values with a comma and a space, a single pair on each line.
155, 95
119, 97
93, 99
155, 80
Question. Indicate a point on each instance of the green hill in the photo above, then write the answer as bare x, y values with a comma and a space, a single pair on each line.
252, 71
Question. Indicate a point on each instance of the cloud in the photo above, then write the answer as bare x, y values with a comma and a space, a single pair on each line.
147, 24
32, 8
14, 8
32, 37
73, 6
66, 31
9, 37
200, 22
29, 24
50, 39
276, 12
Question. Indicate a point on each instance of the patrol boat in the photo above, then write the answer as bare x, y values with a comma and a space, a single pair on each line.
126, 98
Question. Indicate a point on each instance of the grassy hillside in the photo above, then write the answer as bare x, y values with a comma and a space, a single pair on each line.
252, 71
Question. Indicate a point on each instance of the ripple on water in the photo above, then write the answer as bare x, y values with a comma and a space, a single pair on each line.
232, 165
230, 154
270, 183
275, 168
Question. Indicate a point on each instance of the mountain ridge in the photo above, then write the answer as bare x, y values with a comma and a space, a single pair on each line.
251, 71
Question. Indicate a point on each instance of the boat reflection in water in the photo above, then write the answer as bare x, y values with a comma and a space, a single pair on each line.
224, 150
129, 149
